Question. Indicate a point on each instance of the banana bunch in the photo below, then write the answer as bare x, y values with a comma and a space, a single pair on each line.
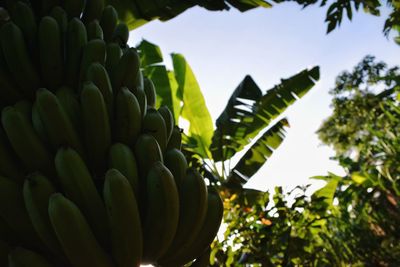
91, 172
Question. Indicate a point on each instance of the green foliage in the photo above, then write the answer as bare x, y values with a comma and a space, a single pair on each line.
351, 221
273, 230
364, 130
194, 108
138, 12
247, 122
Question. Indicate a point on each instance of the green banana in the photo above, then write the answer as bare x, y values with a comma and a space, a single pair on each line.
154, 124
4, 250
26, 142
60, 15
192, 212
128, 118
17, 58
150, 92
37, 191
124, 219
76, 41
47, 6
50, 52
56, 122
9, 91
70, 103
13, 212
79, 186
75, 235
25, 108
140, 81
10, 166
97, 131
141, 97
122, 158
74, 8
108, 22
175, 141
177, 164
169, 120
38, 126
93, 10
8, 234
206, 234
97, 74
20, 257
94, 30
23, 16
147, 152
161, 214
127, 70
94, 51
114, 53
121, 34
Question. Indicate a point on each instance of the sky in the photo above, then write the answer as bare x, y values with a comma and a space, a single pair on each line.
270, 44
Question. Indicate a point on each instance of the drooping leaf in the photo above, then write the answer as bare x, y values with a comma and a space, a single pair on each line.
258, 153
232, 124
194, 109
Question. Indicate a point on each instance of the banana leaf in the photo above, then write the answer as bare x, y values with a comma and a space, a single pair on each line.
179, 91
256, 156
247, 112
194, 108
233, 122
152, 62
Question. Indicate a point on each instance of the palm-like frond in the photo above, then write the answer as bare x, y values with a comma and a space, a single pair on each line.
256, 156
247, 112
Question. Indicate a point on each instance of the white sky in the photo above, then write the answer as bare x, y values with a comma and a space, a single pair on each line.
269, 44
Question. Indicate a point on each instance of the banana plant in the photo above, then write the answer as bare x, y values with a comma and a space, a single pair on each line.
248, 122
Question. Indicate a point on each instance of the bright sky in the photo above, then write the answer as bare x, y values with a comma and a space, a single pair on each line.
269, 44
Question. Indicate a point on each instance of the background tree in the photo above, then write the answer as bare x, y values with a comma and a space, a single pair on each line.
364, 131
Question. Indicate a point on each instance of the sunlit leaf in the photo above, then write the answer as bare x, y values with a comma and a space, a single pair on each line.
327, 192
358, 178
194, 109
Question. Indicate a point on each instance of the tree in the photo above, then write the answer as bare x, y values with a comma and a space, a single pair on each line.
364, 130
